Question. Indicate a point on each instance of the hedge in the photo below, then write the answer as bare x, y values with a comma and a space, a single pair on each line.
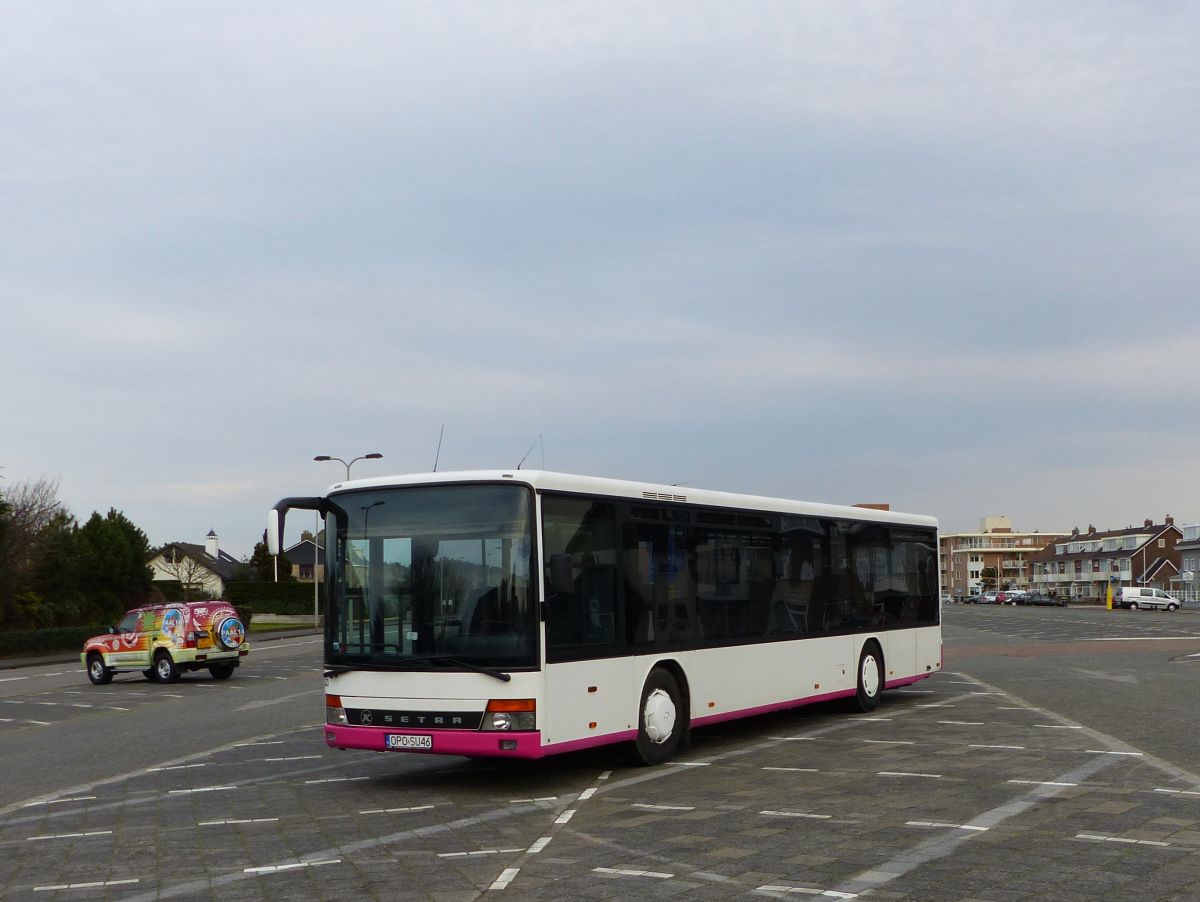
273, 598
33, 642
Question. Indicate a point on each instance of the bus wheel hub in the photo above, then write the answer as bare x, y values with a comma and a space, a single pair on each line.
658, 716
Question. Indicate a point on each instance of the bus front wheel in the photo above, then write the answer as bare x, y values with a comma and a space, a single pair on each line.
870, 678
660, 718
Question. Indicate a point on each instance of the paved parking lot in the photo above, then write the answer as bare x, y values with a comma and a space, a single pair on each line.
952, 789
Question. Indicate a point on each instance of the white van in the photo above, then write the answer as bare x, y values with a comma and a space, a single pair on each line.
1134, 597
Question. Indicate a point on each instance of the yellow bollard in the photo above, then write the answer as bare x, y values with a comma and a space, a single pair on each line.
1110, 594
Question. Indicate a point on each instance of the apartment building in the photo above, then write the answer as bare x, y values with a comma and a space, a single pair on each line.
995, 557
1186, 586
1084, 564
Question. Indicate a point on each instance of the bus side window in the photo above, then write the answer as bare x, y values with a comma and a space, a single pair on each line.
580, 575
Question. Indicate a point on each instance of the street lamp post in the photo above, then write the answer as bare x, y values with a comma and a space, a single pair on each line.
374, 455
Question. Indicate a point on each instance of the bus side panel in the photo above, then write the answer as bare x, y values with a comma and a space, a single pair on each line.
899, 655
747, 678
590, 699
929, 650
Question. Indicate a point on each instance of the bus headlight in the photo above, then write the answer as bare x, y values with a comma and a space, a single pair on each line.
508, 714
334, 712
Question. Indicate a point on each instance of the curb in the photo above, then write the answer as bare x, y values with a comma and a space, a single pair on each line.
63, 657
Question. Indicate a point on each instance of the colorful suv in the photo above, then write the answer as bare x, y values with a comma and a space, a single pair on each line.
163, 640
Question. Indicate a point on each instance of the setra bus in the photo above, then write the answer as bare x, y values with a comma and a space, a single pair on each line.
527, 613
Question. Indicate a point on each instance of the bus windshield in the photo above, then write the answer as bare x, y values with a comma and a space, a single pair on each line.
431, 576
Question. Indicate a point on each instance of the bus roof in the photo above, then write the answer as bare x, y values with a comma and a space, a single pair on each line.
542, 480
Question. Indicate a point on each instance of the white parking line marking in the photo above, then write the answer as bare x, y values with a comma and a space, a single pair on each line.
801, 770
1107, 752
1179, 792
663, 807
629, 872
151, 770
539, 845
480, 853
946, 826
815, 817
1133, 842
58, 801
890, 741
506, 877
12, 679
805, 891
565, 816
69, 835
39, 889
527, 801
396, 810
1015, 748
175, 792
294, 758
1040, 783
1055, 726
587, 794
273, 868
963, 723
900, 773
253, 820
336, 780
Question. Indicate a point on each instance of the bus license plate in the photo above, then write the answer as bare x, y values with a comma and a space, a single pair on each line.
401, 741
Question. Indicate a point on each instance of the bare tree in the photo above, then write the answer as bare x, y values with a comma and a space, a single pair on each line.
191, 574
31, 506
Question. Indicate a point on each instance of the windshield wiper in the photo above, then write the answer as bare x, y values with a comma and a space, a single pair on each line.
458, 662
333, 670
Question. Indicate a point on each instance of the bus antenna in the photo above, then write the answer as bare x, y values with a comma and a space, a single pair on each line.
536, 442
438, 456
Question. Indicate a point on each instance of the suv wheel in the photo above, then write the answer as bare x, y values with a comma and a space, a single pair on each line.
96, 671
221, 671
165, 670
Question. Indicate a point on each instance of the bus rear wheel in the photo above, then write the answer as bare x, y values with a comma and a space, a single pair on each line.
870, 678
660, 718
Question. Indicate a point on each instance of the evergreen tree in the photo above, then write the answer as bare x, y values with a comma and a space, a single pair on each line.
262, 564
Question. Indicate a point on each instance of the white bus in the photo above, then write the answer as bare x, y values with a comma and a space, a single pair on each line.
522, 614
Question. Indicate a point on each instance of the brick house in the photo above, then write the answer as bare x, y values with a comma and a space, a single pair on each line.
1084, 564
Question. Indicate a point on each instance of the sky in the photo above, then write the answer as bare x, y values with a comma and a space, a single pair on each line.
939, 255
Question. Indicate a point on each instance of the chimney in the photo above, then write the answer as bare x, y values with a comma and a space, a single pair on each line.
1074, 530
1170, 520
210, 544
1091, 530
1148, 524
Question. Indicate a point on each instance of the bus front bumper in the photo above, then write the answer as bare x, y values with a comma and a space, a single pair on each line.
470, 743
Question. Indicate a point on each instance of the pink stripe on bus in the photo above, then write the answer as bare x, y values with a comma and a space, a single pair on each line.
473, 744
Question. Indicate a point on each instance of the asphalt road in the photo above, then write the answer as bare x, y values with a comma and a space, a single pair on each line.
1053, 759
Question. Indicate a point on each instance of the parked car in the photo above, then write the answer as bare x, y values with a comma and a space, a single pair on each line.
164, 640
1135, 597
989, 598
1041, 599
946, 599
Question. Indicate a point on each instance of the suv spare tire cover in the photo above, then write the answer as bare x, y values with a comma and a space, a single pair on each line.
230, 633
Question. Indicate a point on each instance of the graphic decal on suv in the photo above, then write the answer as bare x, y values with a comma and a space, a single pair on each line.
172, 626
231, 633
